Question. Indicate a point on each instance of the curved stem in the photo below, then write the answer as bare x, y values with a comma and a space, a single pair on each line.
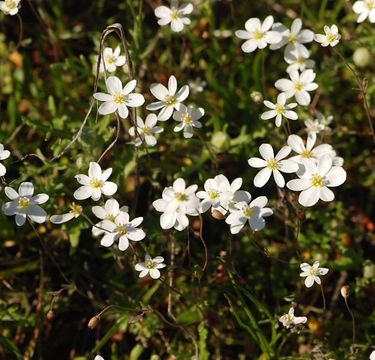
352, 316
323, 296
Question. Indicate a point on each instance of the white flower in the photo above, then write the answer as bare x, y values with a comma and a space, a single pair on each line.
150, 266
298, 59
325, 120
188, 118
108, 212
197, 85
257, 34
272, 164
298, 86
146, 130
315, 181
308, 151
289, 319
331, 37
119, 98
217, 193
313, 127
252, 213
174, 15
4, 154
95, 184
123, 230
312, 273
279, 110
112, 59
294, 37
169, 99
24, 204
176, 203
372, 355
76, 210
9, 7
365, 9
98, 357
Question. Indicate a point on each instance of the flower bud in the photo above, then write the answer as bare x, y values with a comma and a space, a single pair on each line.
362, 57
257, 97
50, 315
221, 141
216, 214
345, 290
93, 323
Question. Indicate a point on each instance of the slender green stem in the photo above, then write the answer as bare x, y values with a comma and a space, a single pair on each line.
352, 316
323, 297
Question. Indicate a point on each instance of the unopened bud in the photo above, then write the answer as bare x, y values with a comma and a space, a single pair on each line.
257, 97
50, 315
93, 323
216, 214
345, 290
362, 57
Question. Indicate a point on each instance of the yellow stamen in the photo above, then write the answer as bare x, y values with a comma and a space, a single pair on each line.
317, 180
272, 164
23, 203
96, 184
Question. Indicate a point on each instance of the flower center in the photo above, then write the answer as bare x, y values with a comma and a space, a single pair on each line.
147, 130
110, 217
76, 209
313, 272
170, 100
122, 230
10, 4
96, 184
111, 59
175, 13
272, 164
317, 181
370, 4
187, 119
181, 196
119, 98
258, 35
307, 154
301, 60
150, 264
298, 86
23, 203
213, 194
331, 37
248, 211
280, 109
293, 39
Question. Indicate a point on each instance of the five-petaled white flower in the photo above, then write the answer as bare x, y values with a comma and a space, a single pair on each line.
316, 179
176, 203
295, 37
289, 319
298, 59
217, 193
257, 34
95, 184
119, 98
108, 212
146, 130
24, 204
197, 85
111, 59
272, 164
252, 213
279, 110
123, 230
175, 15
312, 273
298, 86
76, 210
188, 118
150, 266
365, 9
9, 7
4, 154
308, 151
169, 99
331, 37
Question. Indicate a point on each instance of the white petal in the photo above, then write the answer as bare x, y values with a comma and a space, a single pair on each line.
114, 85
262, 177
309, 197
